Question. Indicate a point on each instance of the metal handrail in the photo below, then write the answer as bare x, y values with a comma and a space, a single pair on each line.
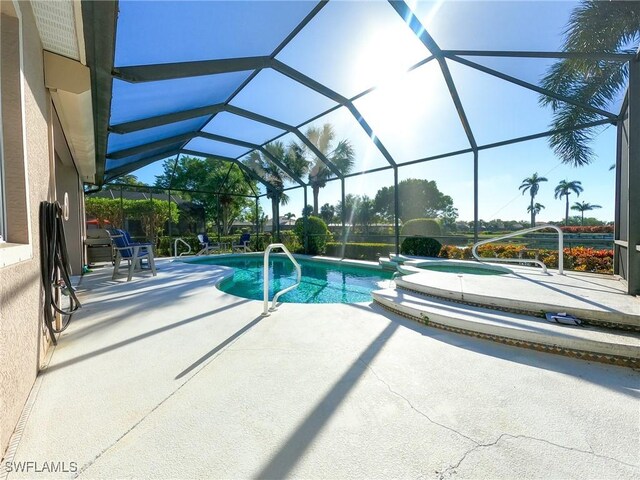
175, 248
474, 250
266, 277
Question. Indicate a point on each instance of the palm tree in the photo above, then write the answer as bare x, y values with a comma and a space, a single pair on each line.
564, 189
583, 207
274, 176
289, 216
342, 156
594, 26
534, 210
532, 184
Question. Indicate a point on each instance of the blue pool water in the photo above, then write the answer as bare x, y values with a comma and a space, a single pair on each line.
321, 282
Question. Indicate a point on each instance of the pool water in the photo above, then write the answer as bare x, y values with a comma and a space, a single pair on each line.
463, 269
322, 282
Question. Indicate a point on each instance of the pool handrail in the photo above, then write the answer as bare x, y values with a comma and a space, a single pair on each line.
175, 248
265, 274
474, 250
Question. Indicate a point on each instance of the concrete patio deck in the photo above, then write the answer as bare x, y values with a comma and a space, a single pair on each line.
167, 377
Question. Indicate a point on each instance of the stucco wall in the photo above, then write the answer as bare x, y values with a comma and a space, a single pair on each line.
20, 293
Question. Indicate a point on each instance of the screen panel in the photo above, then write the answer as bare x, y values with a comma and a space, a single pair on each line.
135, 101
278, 97
213, 147
118, 141
495, 25
241, 128
187, 31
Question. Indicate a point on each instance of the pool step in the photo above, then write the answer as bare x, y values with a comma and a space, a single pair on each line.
387, 264
591, 343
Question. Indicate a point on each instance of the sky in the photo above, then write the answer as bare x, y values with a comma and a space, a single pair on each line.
351, 46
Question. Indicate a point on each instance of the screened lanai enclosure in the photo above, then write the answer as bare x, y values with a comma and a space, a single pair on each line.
266, 94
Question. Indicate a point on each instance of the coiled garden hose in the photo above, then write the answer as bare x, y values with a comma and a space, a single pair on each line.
54, 263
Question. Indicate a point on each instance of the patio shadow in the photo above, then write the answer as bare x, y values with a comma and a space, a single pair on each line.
300, 440
137, 338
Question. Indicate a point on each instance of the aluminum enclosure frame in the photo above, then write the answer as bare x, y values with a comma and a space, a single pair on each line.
100, 27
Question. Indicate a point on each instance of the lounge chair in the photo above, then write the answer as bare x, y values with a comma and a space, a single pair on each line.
132, 252
243, 244
207, 247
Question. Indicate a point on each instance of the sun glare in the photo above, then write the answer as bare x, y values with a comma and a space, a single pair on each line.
401, 107
381, 59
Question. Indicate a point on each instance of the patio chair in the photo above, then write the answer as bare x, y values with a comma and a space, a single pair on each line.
132, 252
243, 244
206, 245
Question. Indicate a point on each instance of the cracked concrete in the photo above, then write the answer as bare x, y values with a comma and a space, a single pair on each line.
168, 377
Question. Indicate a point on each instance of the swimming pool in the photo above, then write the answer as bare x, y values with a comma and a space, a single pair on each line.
322, 282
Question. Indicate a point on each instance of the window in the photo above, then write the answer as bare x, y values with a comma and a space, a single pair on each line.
14, 213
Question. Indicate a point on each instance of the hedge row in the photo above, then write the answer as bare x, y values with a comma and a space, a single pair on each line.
582, 259
595, 229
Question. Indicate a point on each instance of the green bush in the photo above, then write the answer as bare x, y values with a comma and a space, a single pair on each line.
291, 241
421, 246
318, 234
360, 251
421, 227
259, 243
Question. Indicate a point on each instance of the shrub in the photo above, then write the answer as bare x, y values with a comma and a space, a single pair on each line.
259, 243
421, 246
318, 234
360, 251
421, 227
290, 240
595, 229
450, 251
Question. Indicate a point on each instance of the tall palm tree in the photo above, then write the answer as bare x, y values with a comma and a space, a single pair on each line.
289, 216
274, 176
564, 189
532, 184
534, 210
594, 26
583, 207
341, 155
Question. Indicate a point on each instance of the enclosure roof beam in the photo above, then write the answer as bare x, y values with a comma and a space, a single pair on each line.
289, 128
608, 56
150, 146
336, 97
242, 166
241, 143
170, 71
99, 21
143, 162
134, 126
418, 29
530, 86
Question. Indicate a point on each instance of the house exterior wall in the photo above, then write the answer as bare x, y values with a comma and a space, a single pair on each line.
22, 344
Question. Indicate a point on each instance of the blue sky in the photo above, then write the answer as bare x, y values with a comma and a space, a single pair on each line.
350, 46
